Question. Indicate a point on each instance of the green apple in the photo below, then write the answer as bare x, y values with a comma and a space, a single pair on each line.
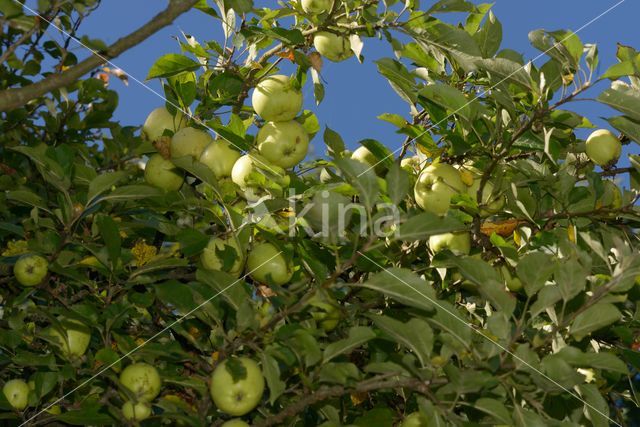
30, 270
603, 148
73, 339
327, 312
283, 144
213, 255
220, 157
17, 393
143, 380
160, 120
189, 142
163, 174
334, 47
435, 187
514, 284
136, 411
612, 196
328, 212
235, 423
267, 264
366, 157
275, 99
491, 203
458, 243
255, 175
316, 7
415, 419
411, 164
237, 396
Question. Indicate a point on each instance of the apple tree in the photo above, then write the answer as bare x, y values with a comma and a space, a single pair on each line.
201, 269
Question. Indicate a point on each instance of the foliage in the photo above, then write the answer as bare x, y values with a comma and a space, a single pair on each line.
450, 336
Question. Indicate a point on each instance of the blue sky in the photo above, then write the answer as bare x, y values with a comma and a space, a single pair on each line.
355, 93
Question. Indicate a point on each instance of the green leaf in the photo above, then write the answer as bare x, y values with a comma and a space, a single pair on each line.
451, 6
571, 277
376, 417
421, 226
495, 409
28, 198
233, 290
271, 372
400, 79
594, 318
403, 286
170, 65
597, 408
104, 182
534, 269
397, 183
489, 36
339, 373
111, 235
358, 335
131, 192
626, 126
488, 281
333, 141
502, 69
363, 178
625, 100
382, 154
416, 335
451, 99
197, 169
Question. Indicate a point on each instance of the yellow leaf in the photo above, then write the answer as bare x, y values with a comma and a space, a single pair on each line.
143, 253
571, 232
358, 397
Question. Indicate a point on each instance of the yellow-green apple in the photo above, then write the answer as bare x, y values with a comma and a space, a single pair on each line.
160, 120
213, 255
237, 422
30, 270
332, 46
275, 99
366, 157
255, 175
141, 379
316, 7
136, 411
189, 142
603, 148
237, 396
73, 338
415, 419
435, 187
328, 212
17, 393
220, 157
283, 144
163, 174
267, 264
458, 243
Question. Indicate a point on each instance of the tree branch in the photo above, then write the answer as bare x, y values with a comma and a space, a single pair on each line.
326, 392
15, 98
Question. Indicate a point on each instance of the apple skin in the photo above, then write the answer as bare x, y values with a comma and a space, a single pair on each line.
17, 393
316, 7
136, 411
189, 142
163, 174
603, 148
283, 144
612, 197
212, 261
254, 175
143, 380
235, 423
458, 243
220, 157
435, 187
366, 157
491, 203
328, 314
160, 120
324, 213
30, 270
332, 46
276, 100
237, 398
415, 419
266, 264
75, 340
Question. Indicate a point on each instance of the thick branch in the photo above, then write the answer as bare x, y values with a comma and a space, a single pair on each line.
15, 98
325, 393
